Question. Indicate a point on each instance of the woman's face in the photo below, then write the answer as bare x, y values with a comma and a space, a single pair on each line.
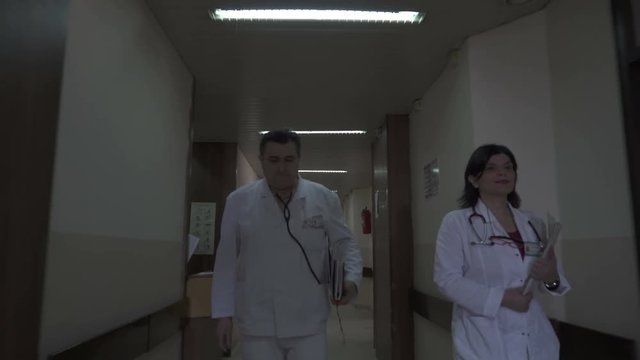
498, 177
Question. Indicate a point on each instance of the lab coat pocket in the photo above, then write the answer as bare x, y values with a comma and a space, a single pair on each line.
313, 239
312, 234
477, 337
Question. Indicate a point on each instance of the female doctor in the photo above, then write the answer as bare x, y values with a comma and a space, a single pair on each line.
484, 253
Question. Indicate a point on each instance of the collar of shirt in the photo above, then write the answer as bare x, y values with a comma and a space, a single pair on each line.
301, 191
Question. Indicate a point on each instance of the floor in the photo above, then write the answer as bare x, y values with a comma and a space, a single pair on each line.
357, 321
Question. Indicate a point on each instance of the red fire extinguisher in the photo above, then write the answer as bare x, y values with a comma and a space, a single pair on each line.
366, 220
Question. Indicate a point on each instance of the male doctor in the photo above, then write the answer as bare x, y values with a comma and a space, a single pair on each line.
271, 265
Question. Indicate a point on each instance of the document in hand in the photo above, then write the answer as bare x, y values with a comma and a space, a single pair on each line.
193, 245
336, 278
549, 238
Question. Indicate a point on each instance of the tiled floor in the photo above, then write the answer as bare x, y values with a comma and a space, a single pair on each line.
357, 322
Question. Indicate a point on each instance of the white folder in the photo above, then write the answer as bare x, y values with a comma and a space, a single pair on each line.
336, 278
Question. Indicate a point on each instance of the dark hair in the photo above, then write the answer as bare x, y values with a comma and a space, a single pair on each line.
281, 136
475, 167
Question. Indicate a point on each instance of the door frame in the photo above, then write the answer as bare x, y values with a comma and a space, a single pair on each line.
628, 51
30, 93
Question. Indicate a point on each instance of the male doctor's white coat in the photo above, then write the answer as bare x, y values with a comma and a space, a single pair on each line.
474, 278
261, 277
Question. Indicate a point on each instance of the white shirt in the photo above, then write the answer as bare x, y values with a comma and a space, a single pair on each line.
261, 277
475, 277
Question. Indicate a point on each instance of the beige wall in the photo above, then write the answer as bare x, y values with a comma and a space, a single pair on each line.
117, 219
593, 181
353, 204
440, 127
511, 105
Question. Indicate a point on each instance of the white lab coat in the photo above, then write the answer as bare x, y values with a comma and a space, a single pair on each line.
474, 278
261, 277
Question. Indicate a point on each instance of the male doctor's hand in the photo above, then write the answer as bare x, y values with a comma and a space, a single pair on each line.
223, 330
349, 291
546, 268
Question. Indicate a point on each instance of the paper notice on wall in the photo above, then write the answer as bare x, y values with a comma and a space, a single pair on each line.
431, 177
202, 225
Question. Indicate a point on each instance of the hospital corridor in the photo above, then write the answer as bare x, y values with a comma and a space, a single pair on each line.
320, 180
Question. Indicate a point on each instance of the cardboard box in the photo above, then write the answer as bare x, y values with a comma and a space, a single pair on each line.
200, 339
199, 294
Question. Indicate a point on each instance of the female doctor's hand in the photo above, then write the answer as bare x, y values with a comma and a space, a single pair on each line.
546, 268
515, 300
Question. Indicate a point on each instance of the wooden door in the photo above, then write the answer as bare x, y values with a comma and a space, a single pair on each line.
392, 241
381, 249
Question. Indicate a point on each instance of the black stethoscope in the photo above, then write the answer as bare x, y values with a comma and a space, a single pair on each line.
286, 212
494, 239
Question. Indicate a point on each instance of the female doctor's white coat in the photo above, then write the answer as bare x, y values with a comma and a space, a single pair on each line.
475, 277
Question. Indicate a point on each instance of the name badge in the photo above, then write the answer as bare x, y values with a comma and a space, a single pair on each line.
533, 249
314, 222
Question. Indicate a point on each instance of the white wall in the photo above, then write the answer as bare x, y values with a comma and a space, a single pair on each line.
593, 180
511, 105
117, 218
245, 174
353, 204
546, 86
440, 127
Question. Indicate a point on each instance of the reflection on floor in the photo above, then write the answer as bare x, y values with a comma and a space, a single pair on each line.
357, 322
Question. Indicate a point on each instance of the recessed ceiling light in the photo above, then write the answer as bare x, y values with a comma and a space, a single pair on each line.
324, 132
401, 17
323, 171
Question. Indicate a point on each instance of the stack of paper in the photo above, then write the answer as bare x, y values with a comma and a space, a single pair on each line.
549, 238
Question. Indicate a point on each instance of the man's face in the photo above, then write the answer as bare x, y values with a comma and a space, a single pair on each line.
280, 165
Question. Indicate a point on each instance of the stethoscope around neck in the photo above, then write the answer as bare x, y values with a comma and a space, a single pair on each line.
491, 240
286, 212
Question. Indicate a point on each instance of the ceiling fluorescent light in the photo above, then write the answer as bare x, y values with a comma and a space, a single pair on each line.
400, 17
323, 171
324, 132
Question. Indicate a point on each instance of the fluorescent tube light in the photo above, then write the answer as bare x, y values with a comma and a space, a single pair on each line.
324, 132
411, 17
323, 171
